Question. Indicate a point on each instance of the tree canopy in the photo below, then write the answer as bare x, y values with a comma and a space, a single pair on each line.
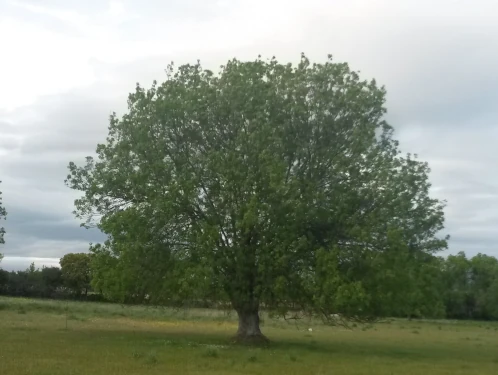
269, 185
75, 272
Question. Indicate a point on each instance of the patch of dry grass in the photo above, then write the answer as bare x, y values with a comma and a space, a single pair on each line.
109, 339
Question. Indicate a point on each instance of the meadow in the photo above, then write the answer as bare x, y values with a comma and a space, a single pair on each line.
56, 337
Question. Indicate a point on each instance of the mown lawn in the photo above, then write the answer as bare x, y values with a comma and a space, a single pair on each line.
111, 339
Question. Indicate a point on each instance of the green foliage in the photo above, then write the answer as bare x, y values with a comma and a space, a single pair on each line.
3, 215
75, 272
471, 286
484, 283
32, 282
51, 278
4, 278
265, 184
457, 281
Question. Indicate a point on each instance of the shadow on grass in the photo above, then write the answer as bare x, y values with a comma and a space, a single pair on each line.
360, 349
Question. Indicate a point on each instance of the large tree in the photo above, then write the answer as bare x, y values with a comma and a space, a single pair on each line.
271, 185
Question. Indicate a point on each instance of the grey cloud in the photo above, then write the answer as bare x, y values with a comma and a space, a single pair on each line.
31, 232
476, 243
6, 128
72, 122
40, 173
49, 240
462, 161
437, 69
9, 137
30, 246
62, 128
9, 142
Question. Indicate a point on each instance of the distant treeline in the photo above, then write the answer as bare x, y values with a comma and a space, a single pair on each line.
461, 287
71, 280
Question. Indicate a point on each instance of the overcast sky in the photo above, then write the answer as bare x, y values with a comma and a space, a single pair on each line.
67, 64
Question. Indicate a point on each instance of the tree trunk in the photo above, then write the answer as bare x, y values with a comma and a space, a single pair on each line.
249, 331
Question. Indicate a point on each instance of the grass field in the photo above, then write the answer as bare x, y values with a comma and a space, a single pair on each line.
111, 339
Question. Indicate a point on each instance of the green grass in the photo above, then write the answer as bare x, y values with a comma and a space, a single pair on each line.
111, 339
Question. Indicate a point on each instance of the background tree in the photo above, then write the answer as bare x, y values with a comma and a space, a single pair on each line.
75, 272
3, 215
471, 286
484, 272
269, 185
32, 282
25, 283
51, 278
491, 299
459, 300
4, 280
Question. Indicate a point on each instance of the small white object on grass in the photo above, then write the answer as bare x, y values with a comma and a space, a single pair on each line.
310, 329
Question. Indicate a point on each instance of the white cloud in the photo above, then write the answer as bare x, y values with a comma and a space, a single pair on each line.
22, 263
37, 62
